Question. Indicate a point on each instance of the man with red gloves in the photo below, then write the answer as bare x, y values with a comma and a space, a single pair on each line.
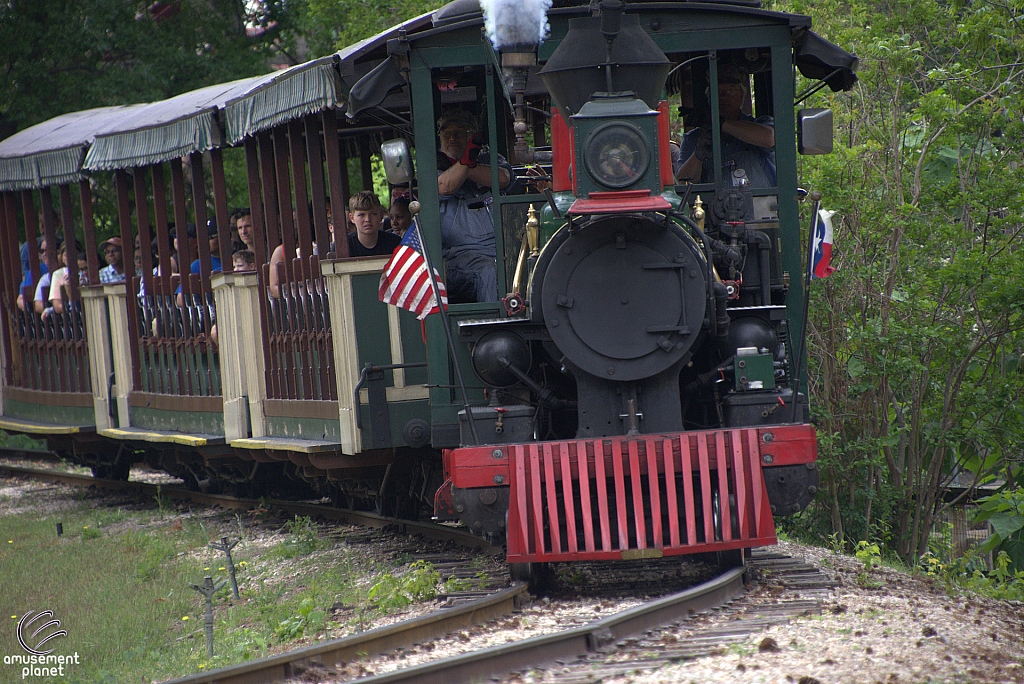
467, 225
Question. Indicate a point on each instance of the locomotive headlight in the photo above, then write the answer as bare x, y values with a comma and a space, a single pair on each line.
616, 155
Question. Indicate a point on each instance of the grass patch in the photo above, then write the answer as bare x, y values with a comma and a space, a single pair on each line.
117, 603
119, 582
9, 441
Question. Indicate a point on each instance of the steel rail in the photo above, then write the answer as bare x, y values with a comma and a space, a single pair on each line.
373, 642
365, 519
501, 660
480, 665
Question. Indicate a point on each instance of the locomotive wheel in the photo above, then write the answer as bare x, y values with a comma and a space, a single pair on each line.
116, 471
534, 574
733, 558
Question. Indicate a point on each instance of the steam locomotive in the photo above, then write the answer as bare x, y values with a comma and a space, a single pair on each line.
661, 413
633, 393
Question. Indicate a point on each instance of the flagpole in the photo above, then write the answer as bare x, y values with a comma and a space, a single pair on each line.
816, 196
447, 330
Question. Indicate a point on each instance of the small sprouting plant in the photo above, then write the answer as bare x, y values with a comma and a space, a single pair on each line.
573, 578
249, 644
308, 620
303, 537
455, 584
418, 584
163, 504
870, 557
835, 542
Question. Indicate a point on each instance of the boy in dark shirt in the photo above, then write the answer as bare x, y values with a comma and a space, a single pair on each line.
366, 212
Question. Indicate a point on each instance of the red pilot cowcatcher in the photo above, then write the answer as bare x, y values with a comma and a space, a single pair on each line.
608, 498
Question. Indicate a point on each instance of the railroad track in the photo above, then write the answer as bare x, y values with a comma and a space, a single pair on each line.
326, 512
612, 646
796, 589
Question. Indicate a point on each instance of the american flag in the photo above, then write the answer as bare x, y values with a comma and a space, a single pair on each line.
404, 281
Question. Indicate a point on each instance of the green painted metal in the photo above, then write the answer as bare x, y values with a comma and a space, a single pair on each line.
789, 210
756, 368
188, 422
45, 413
429, 220
304, 428
197, 367
413, 347
400, 413
674, 29
492, 103
371, 317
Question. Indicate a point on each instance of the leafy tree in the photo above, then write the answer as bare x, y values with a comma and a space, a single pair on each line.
61, 56
916, 342
326, 26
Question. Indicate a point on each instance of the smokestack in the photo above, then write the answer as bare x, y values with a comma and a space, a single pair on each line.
516, 29
637, 63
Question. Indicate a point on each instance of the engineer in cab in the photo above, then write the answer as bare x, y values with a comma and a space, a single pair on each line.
467, 222
747, 143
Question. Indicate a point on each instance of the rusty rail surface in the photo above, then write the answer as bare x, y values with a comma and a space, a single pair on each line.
373, 642
500, 660
492, 662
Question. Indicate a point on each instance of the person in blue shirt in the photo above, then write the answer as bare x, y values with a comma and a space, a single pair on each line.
467, 223
214, 240
747, 143
26, 272
215, 262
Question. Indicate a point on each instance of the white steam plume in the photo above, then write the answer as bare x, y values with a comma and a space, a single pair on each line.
516, 22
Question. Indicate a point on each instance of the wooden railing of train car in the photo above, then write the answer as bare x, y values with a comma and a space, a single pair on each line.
176, 353
298, 344
48, 353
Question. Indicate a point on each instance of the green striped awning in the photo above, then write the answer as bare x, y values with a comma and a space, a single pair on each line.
280, 97
165, 130
51, 153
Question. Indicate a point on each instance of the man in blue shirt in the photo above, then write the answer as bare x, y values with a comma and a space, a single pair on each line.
112, 251
214, 239
467, 224
747, 142
215, 262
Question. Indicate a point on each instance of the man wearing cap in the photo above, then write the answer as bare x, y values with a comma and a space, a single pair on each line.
113, 272
467, 224
747, 142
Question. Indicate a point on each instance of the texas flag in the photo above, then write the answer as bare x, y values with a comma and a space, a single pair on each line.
821, 253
